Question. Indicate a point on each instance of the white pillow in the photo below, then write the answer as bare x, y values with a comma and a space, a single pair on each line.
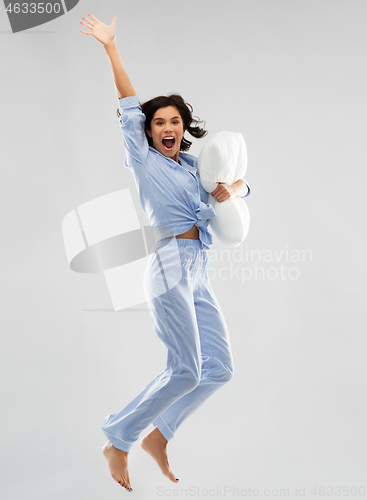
224, 159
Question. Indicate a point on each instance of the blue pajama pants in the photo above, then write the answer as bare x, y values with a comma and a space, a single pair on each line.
187, 318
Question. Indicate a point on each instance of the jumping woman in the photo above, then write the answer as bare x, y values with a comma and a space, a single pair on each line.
185, 313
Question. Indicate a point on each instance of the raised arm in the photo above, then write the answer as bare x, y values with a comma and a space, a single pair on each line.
106, 35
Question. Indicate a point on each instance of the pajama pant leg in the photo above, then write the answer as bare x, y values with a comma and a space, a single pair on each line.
188, 320
174, 320
216, 356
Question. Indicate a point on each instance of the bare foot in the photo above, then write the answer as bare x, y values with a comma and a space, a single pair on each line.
117, 463
156, 445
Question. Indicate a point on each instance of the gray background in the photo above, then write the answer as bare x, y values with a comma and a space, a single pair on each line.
290, 76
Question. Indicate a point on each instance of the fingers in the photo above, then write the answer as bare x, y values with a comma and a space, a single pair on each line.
81, 22
221, 192
215, 192
90, 24
218, 189
85, 33
223, 198
94, 18
221, 188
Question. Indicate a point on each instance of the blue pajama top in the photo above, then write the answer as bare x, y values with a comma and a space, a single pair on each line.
171, 195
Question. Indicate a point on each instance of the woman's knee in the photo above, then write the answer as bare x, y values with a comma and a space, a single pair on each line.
227, 373
186, 381
194, 380
222, 373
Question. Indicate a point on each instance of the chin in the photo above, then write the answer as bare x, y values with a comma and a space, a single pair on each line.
170, 154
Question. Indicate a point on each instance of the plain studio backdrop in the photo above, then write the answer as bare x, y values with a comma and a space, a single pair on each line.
289, 75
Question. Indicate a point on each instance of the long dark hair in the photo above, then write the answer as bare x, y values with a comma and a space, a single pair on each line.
190, 123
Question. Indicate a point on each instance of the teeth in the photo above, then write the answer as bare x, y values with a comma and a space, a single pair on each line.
170, 137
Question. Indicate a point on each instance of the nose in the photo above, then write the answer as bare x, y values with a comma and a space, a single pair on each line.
168, 128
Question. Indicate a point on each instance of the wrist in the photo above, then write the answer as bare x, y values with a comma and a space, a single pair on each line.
240, 188
235, 189
111, 45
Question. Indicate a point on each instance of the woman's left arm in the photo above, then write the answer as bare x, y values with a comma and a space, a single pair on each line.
225, 191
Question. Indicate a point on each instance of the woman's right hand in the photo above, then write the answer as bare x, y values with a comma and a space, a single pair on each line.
101, 32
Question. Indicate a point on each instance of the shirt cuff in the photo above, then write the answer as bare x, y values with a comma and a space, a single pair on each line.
129, 102
248, 192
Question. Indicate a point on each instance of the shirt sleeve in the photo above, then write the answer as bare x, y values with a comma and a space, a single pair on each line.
132, 121
249, 189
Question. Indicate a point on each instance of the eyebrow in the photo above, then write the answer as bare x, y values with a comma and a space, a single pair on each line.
171, 118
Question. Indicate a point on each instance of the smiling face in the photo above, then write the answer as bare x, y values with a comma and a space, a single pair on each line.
167, 131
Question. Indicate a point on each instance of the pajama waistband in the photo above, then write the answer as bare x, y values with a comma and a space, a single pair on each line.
184, 242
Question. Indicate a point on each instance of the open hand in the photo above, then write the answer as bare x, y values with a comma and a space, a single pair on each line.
101, 32
223, 192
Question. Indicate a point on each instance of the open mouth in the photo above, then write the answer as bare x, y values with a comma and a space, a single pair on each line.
168, 143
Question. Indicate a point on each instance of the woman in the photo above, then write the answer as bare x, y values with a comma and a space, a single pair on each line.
185, 313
